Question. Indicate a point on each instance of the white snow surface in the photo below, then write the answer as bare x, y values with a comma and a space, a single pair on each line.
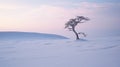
28, 35
92, 52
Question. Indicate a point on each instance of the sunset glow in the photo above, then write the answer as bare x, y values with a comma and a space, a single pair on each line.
45, 16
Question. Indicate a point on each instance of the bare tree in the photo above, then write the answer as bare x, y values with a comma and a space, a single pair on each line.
72, 23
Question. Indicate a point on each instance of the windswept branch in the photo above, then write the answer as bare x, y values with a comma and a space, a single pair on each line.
72, 23
82, 34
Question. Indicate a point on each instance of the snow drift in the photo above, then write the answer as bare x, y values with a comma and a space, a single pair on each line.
29, 35
92, 52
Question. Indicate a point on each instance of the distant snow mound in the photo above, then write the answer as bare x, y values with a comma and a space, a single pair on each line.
29, 35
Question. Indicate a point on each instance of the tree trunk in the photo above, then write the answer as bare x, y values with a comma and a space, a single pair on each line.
77, 36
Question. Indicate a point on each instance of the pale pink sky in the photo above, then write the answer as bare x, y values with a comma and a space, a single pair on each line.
47, 18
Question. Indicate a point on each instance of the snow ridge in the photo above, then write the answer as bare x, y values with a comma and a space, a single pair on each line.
29, 35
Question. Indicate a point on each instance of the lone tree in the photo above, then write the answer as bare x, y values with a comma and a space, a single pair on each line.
72, 23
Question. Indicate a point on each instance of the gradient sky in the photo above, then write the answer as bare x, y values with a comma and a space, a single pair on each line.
49, 16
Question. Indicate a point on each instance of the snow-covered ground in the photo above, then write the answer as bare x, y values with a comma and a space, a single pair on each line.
92, 52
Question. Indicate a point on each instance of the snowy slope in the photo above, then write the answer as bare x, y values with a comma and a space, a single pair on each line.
93, 52
29, 35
